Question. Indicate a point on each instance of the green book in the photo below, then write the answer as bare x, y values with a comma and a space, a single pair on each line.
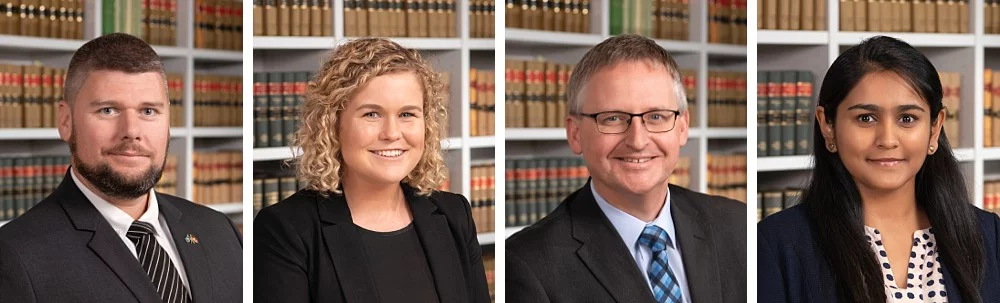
19, 188
762, 113
260, 110
616, 17
551, 185
522, 193
6, 185
772, 202
788, 101
509, 190
804, 113
774, 113
287, 185
288, 106
271, 192
274, 114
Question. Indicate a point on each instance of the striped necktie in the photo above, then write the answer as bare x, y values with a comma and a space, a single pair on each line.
157, 264
661, 278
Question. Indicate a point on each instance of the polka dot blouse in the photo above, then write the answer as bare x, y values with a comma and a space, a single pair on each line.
924, 281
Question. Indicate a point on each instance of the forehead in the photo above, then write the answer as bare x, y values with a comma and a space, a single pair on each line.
390, 90
630, 86
884, 88
119, 86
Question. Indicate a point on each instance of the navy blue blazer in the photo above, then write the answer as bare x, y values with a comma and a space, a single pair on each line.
792, 268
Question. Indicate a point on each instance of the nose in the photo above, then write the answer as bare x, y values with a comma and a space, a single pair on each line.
886, 136
129, 126
390, 130
636, 136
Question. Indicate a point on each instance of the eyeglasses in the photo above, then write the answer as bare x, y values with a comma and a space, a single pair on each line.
616, 122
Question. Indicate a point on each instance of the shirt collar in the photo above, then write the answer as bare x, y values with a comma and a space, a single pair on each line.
119, 220
629, 227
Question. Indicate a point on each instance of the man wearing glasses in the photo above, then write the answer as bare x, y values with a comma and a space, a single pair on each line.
629, 236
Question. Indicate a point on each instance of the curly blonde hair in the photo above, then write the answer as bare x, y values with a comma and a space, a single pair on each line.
348, 69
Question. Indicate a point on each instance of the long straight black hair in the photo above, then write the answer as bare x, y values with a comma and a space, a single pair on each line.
833, 201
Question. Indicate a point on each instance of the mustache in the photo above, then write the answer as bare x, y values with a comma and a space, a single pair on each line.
129, 147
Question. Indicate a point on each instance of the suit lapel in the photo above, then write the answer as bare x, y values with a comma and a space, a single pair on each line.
199, 271
104, 242
344, 245
603, 251
700, 262
949, 284
439, 247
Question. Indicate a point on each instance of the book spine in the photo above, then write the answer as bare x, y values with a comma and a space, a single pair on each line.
804, 112
774, 80
762, 114
788, 101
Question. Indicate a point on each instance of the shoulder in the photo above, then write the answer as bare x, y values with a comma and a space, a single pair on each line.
299, 209
552, 230
989, 223
190, 209
715, 207
451, 204
787, 226
41, 221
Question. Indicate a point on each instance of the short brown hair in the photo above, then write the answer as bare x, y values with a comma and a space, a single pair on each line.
111, 52
623, 48
348, 69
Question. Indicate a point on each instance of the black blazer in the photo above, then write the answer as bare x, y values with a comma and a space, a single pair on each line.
307, 249
63, 250
575, 255
792, 268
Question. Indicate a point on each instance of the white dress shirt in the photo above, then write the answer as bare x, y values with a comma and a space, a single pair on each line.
630, 228
121, 221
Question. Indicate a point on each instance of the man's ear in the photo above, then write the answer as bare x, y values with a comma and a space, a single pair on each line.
64, 116
573, 134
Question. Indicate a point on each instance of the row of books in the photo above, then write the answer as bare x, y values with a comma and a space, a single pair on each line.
218, 24
792, 14
681, 176
168, 180
277, 98
269, 189
661, 19
534, 187
555, 15
991, 17
218, 100
293, 18
991, 108
727, 98
61, 19
785, 111
218, 177
951, 16
727, 21
727, 176
482, 104
399, 18
153, 21
482, 197
991, 196
951, 84
770, 202
29, 95
535, 93
25, 181
175, 93
482, 16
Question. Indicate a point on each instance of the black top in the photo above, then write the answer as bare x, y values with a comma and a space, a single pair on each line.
399, 266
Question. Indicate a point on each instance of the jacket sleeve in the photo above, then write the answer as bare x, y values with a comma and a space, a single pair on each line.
15, 285
279, 261
479, 290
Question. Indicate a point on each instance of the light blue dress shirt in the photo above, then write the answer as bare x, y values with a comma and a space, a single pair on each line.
629, 228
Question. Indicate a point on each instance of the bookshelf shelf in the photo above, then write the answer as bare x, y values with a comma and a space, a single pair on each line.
990, 41
487, 238
915, 39
39, 44
719, 133
217, 132
782, 37
991, 153
784, 163
725, 50
218, 55
539, 38
482, 142
535, 134
481, 44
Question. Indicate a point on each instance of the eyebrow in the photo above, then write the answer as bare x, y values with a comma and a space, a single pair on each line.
379, 107
144, 104
875, 108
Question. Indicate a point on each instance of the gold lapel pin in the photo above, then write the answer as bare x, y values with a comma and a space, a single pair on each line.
191, 239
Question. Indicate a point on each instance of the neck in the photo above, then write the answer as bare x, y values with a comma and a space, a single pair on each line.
366, 198
892, 209
645, 206
133, 207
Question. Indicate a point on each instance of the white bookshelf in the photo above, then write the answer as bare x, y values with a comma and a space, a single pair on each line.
967, 54
183, 58
452, 55
697, 54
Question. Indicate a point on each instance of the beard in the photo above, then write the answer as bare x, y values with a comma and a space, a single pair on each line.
112, 183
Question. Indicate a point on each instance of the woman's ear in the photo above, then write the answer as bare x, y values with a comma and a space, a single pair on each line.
826, 127
936, 128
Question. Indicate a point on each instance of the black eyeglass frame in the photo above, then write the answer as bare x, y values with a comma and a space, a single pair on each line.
628, 122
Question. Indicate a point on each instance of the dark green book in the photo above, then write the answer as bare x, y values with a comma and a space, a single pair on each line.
6, 185
788, 101
804, 113
271, 191
274, 107
774, 113
287, 186
260, 110
509, 191
772, 202
522, 192
288, 107
19, 188
762, 113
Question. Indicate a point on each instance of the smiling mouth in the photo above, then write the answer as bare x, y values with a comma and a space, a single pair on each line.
887, 162
634, 159
388, 153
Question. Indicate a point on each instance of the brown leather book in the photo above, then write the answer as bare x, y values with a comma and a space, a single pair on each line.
847, 15
48, 98
930, 16
770, 14
258, 17
491, 15
351, 11
435, 20
584, 24
995, 7
808, 15
795, 14
963, 16
784, 14
547, 18
326, 18
819, 14
512, 13
551, 95
44, 26
296, 17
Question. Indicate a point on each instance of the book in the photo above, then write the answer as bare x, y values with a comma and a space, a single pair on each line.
726, 175
988, 114
25, 181
762, 114
536, 186
217, 177
774, 113
804, 112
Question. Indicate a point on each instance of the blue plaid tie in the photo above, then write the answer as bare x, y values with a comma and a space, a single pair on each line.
665, 287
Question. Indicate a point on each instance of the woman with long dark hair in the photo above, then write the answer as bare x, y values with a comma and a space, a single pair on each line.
887, 215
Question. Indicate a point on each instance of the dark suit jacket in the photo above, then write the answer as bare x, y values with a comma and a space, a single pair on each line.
792, 268
63, 250
307, 249
575, 255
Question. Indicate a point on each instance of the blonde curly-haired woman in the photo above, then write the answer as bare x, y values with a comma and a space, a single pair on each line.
370, 226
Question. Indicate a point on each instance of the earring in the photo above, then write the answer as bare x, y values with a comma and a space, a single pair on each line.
831, 147
932, 149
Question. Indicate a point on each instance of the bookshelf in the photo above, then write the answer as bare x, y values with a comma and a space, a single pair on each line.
697, 54
967, 54
181, 59
451, 55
